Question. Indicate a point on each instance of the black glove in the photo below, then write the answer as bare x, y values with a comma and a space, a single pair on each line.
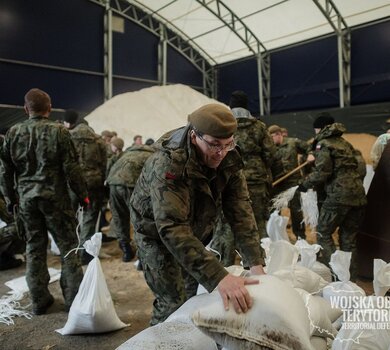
301, 188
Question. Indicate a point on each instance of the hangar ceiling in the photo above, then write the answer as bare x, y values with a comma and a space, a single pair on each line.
217, 27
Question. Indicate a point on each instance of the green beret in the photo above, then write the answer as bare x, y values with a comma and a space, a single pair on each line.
215, 120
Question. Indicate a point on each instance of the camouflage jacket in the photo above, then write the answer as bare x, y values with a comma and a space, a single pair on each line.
287, 153
38, 154
92, 155
256, 147
126, 170
175, 200
336, 168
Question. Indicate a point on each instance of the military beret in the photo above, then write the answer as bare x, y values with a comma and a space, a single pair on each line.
215, 120
322, 120
274, 128
117, 142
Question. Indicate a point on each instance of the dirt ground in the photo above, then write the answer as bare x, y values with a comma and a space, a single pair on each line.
130, 294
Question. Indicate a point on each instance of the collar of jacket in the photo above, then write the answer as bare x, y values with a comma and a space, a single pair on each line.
185, 161
37, 117
332, 130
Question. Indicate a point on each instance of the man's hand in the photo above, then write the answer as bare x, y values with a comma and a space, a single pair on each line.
233, 288
311, 158
257, 270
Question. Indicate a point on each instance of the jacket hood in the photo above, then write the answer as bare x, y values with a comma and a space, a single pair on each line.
332, 130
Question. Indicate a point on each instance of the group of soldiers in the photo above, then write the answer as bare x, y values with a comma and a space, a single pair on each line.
50, 171
208, 181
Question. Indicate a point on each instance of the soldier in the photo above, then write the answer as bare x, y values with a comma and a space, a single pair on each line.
121, 179
40, 156
258, 153
287, 153
336, 169
137, 140
106, 137
93, 161
174, 207
116, 145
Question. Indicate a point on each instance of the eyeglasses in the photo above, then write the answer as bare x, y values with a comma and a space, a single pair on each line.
217, 148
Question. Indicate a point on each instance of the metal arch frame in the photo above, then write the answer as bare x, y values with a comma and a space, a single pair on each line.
180, 42
248, 38
343, 33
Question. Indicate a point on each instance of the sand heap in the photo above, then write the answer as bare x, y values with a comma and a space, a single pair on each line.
148, 112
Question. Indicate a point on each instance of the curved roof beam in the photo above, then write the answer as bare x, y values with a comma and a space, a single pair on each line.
179, 41
340, 27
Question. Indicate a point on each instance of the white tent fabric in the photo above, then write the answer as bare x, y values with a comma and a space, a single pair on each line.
275, 23
149, 112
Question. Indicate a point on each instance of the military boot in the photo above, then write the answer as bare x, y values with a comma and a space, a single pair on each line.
128, 252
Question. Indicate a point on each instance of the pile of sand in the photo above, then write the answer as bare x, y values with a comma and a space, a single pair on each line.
362, 142
148, 112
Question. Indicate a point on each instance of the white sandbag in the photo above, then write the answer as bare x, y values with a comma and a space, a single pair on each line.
340, 263
276, 227
278, 319
266, 244
92, 310
381, 281
169, 336
321, 314
322, 270
308, 252
301, 277
282, 255
308, 258
366, 327
318, 343
235, 270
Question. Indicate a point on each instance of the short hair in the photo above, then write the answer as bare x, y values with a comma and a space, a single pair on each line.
37, 101
136, 137
149, 142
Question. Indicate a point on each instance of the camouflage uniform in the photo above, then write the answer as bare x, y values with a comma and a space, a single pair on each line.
93, 161
336, 168
288, 153
173, 210
257, 150
122, 179
40, 156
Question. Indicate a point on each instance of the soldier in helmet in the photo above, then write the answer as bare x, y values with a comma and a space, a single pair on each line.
174, 207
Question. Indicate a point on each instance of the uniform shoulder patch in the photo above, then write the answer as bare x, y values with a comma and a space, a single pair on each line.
318, 147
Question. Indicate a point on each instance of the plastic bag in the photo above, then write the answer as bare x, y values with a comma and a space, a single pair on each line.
92, 310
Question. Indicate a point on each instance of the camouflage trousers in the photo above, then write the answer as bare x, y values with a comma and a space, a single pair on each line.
348, 220
260, 198
169, 282
119, 204
10, 243
38, 216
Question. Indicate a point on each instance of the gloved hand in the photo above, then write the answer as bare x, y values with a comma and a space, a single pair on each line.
85, 203
301, 188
